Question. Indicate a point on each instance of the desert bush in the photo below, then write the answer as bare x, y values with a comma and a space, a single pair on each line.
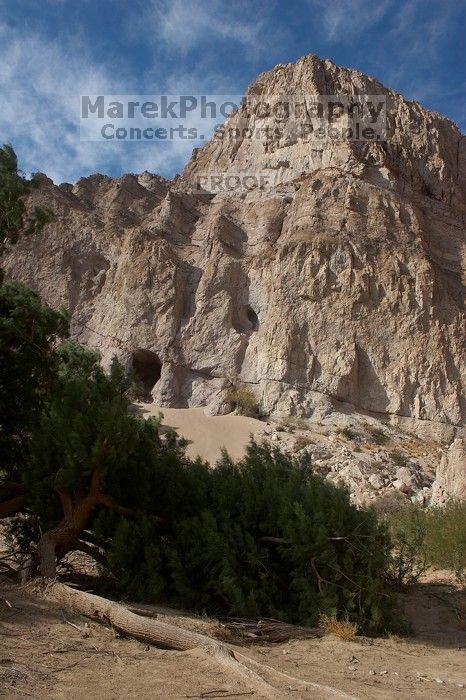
243, 401
15, 220
445, 540
422, 538
390, 503
343, 629
409, 558
377, 435
29, 333
262, 537
398, 458
347, 433
301, 442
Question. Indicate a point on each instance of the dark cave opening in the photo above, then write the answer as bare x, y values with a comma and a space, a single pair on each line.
253, 318
147, 367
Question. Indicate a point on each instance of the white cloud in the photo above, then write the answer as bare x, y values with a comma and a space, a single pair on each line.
41, 82
344, 19
183, 26
41, 78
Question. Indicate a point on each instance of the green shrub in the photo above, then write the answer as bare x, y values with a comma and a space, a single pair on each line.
347, 433
409, 558
390, 503
301, 442
15, 220
446, 537
398, 458
243, 401
29, 331
377, 436
292, 423
422, 538
262, 537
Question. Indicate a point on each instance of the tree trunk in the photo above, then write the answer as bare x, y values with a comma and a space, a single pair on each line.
140, 627
153, 631
77, 509
61, 539
167, 636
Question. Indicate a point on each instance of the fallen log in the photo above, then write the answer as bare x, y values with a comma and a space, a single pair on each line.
167, 636
273, 631
153, 631
145, 629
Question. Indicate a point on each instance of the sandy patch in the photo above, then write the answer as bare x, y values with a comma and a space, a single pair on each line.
207, 435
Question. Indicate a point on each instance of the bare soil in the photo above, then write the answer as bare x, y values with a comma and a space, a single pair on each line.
47, 652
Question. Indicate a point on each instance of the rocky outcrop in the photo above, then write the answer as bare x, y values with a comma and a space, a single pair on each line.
343, 283
450, 479
378, 464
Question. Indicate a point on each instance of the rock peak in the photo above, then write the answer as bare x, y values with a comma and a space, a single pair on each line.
339, 284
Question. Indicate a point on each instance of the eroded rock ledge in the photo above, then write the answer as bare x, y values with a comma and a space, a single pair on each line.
345, 283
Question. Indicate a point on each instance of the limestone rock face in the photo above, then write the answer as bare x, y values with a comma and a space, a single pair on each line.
344, 283
450, 479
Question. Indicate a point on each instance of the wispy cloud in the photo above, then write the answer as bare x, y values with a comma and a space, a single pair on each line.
345, 19
41, 82
176, 47
418, 34
182, 26
431, 29
42, 77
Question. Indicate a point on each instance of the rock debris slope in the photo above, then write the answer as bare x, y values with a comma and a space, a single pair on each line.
342, 284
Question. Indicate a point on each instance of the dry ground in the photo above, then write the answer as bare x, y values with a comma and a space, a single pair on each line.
207, 435
48, 653
52, 654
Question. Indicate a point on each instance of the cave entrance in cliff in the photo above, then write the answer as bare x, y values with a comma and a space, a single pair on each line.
252, 318
147, 367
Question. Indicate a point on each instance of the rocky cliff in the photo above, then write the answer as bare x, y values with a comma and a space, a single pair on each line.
341, 284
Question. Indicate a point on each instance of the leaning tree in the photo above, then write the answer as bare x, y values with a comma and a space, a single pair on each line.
260, 537
263, 536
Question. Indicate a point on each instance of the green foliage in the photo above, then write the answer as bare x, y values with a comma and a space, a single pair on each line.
421, 538
244, 401
301, 442
445, 541
29, 331
87, 429
263, 537
290, 423
390, 503
398, 458
409, 559
347, 433
14, 219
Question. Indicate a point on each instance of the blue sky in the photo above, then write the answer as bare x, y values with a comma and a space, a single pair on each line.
51, 51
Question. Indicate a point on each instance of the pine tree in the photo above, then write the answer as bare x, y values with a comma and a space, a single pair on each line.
15, 219
260, 537
29, 331
263, 537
